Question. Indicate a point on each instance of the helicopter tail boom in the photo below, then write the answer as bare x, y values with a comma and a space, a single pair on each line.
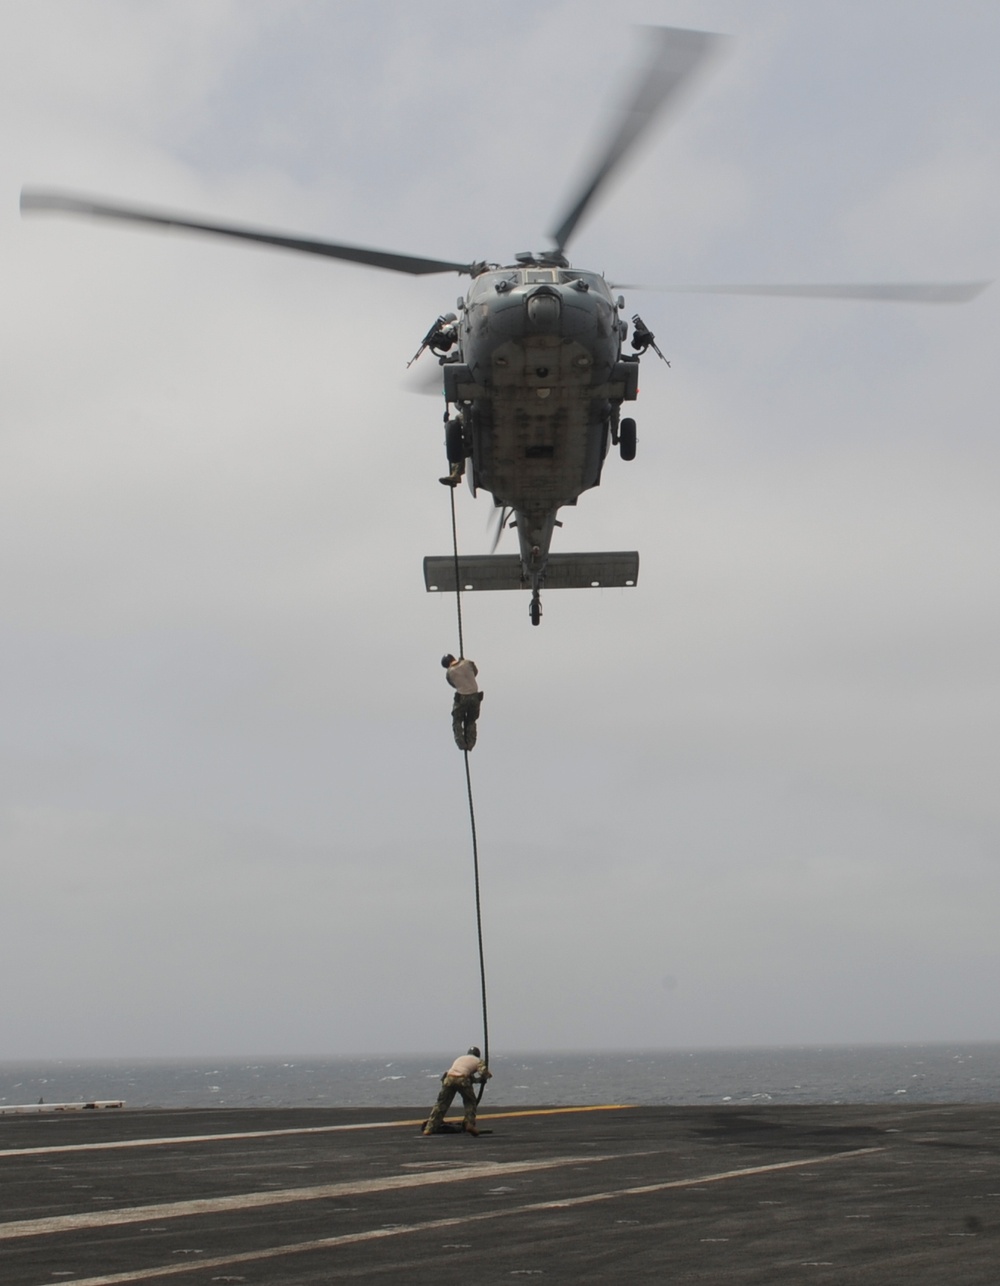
506, 571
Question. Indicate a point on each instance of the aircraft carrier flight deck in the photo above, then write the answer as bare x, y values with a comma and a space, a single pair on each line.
843, 1194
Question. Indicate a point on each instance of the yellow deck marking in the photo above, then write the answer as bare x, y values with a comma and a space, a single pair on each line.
557, 1111
302, 1129
434, 1225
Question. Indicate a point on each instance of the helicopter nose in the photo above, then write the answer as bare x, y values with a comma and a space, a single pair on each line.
544, 309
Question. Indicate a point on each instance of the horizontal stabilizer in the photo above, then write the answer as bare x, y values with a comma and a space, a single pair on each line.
503, 571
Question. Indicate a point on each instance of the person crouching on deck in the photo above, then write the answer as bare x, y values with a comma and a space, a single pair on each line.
467, 1070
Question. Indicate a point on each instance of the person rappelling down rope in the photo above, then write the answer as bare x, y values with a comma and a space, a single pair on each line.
465, 708
467, 1070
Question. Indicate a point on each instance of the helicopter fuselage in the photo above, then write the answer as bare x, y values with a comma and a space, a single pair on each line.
537, 382
534, 374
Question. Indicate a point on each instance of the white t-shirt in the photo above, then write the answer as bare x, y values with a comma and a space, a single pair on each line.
462, 676
465, 1065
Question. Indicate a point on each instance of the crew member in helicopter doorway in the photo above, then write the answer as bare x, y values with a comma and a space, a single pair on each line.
461, 674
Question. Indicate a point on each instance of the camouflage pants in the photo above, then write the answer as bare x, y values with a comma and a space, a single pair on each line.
450, 1086
464, 713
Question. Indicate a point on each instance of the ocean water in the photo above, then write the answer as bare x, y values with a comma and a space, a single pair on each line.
837, 1074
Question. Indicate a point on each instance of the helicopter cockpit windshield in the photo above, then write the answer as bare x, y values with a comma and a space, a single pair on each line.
510, 278
585, 281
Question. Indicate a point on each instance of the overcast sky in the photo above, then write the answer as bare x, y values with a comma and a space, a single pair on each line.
752, 801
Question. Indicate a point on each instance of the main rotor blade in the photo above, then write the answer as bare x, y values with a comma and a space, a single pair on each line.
426, 380
896, 292
40, 199
674, 55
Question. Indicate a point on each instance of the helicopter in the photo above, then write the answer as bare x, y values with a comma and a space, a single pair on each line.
534, 366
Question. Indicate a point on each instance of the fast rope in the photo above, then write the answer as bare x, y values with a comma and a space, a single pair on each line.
458, 583
472, 809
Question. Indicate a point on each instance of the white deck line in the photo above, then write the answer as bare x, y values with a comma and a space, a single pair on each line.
111, 1144
280, 1196
39, 1109
434, 1225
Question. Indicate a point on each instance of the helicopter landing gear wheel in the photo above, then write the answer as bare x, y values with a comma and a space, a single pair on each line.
627, 439
454, 441
535, 609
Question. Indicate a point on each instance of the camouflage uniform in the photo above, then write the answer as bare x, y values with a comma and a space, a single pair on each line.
464, 713
458, 1079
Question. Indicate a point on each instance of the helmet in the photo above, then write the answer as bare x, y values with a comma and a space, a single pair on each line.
474, 1049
